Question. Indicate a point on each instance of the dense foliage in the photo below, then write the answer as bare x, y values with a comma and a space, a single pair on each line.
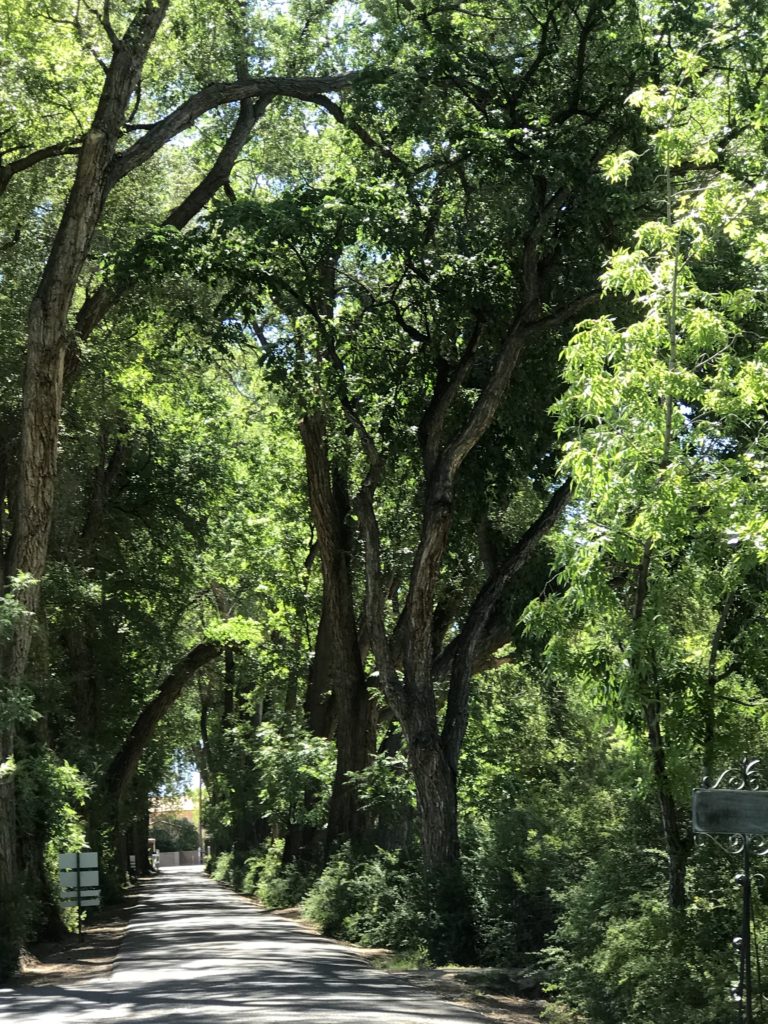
382, 436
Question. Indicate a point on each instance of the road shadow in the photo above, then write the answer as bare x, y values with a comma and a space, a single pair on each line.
197, 952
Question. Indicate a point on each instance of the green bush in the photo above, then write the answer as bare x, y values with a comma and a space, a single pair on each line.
330, 901
391, 904
263, 875
280, 885
229, 869
511, 859
49, 795
376, 901
621, 956
253, 868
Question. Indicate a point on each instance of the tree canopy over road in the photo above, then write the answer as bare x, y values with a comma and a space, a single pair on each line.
382, 434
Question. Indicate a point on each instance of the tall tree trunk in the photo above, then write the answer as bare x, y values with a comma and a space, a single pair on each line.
141, 835
47, 328
10, 913
435, 780
453, 941
302, 842
677, 844
43, 374
340, 652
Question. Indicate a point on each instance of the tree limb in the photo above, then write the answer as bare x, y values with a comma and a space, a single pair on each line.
362, 133
98, 305
474, 631
216, 95
466, 644
22, 163
123, 765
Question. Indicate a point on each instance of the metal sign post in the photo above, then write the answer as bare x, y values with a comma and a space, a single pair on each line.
79, 881
736, 806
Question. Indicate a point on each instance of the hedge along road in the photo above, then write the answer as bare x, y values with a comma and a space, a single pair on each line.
197, 952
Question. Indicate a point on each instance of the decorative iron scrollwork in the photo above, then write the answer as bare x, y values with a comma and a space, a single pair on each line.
739, 826
746, 775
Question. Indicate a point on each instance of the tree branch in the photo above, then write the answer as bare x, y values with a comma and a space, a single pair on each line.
362, 133
487, 404
217, 95
98, 305
121, 770
446, 387
22, 163
474, 630
466, 644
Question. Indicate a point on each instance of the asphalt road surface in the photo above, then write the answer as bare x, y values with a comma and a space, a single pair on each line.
195, 953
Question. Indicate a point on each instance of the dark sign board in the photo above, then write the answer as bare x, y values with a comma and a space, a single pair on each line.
730, 811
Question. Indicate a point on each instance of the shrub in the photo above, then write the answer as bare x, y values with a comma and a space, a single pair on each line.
510, 861
330, 901
229, 869
376, 901
253, 867
623, 957
280, 885
172, 833
391, 904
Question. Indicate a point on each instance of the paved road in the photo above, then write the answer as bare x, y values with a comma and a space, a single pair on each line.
195, 953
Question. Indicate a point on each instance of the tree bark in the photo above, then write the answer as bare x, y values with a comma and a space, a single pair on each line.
676, 843
355, 713
9, 897
436, 795
469, 640
51, 304
138, 839
98, 305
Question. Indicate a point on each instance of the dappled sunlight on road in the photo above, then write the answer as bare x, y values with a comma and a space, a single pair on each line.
197, 952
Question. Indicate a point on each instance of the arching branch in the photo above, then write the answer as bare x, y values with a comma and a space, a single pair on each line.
120, 772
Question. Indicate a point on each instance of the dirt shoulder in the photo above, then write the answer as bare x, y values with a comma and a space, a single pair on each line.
69, 961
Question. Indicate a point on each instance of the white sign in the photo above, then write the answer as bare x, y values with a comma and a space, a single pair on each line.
79, 879
70, 862
87, 899
88, 879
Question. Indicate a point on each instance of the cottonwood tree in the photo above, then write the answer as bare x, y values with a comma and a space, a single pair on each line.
124, 121
401, 311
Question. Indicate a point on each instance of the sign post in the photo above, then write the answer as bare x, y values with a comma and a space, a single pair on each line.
79, 882
736, 806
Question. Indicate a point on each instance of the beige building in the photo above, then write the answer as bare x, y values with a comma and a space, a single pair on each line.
179, 807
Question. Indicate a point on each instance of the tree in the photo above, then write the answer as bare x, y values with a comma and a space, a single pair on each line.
172, 833
415, 304
102, 163
661, 549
